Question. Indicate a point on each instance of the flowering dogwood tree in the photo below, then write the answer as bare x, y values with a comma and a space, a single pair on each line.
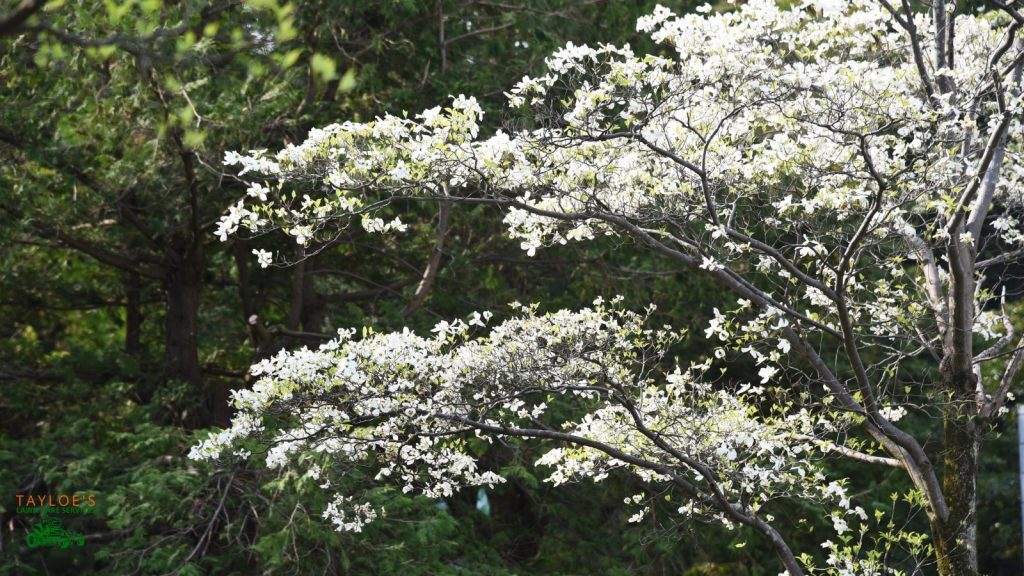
838, 166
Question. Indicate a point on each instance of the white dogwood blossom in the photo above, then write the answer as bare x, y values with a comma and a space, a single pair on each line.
848, 169
408, 404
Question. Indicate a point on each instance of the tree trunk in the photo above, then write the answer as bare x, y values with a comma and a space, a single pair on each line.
312, 313
956, 538
182, 286
238, 252
306, 310
133, 315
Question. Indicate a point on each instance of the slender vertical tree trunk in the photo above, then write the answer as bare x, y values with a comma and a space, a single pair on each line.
238, 252
312, 313
298, 283
306, 311
133, 314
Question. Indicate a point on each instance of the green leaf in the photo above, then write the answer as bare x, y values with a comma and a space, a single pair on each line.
323, 67
348, 81
194, 138
290, 58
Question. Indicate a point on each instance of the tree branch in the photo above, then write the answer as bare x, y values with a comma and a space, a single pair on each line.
434, 264
103, 255
1012, 368
12, 22
778, 544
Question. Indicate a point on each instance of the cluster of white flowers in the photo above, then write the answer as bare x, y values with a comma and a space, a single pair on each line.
793, 154
755, 99
755, 457
349, 517
404, 403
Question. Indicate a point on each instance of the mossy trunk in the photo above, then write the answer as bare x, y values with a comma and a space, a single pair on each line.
956, 538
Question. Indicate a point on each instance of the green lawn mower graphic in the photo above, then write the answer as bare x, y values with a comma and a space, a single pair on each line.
50, 532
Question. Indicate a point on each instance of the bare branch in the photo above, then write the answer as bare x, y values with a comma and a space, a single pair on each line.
907, 23
991, 150
1009, 374
1004, 258
827, 446
103, 255
434, 264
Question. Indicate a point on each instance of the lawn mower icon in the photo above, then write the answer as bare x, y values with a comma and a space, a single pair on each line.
50, 532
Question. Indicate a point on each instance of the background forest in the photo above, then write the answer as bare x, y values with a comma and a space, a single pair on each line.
126, 322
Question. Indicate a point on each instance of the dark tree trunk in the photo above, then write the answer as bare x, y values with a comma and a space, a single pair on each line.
238, 252
133, 315
298, 289
182, 286
312, 314
306, 310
